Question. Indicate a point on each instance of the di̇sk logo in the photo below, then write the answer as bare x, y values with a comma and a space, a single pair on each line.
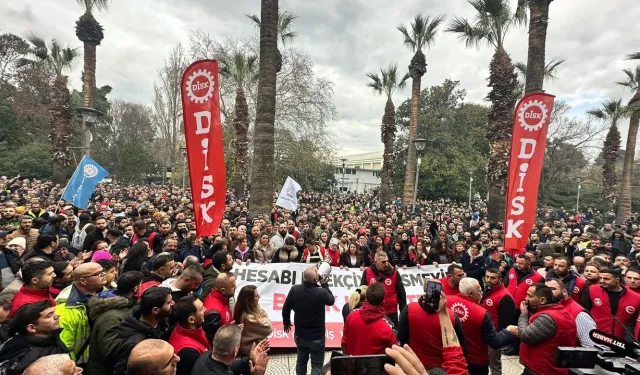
511, 276
200, 86
532, 115
461, 310
597, 302
529, 282
90, 171
630, 309
489, 302
388, 282
372, 280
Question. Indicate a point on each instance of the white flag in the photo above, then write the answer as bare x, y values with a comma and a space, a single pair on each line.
288, 195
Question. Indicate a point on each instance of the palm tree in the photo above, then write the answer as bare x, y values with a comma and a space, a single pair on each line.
536, 74
261, 201
492, 22
89, 31
422, 34
386, 84
285, 34
612, 112
634, 56
242, 70
550, 71
632, 82
58, 60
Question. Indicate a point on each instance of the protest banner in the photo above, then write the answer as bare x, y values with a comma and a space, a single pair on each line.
274, 281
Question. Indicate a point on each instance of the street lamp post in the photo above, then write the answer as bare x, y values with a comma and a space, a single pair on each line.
578, 199
344, 163
420, 144
184, 165
89, 117
470, 184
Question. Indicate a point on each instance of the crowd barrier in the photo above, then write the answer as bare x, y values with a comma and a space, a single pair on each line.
274, 281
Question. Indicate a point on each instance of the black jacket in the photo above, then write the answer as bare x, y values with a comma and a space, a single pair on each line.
121, 244
27, 349
131, 332
39, 253
91, 238
12, 258
474, 268
308, 301
399, 258
205, 365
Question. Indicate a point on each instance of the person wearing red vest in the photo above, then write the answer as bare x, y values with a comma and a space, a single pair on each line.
450, 283
632, 279
611, 305
426, 343
367, 330
584, 322
562, 271
162, 267
218, 300
382, 271
543, 330
499, 304
188, 338
479, 332
520, 278
38, 277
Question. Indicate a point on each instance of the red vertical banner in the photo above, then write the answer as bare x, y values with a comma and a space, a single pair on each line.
203, 135
531, 123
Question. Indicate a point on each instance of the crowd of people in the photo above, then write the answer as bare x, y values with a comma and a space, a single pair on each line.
126, 286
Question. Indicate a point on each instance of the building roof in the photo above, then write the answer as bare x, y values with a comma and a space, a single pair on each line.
358, 158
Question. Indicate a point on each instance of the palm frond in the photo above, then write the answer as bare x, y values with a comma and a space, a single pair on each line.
432, 29
634, 56
632, 80
471, 35
254, 18
23, 61
375, 83
551, 68
596, 113
285, 23
408, 41
520, 17
521, 68
38, 45
89, 5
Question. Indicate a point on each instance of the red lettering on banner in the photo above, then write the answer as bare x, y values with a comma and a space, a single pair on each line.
203, 136
531, 122
278, 301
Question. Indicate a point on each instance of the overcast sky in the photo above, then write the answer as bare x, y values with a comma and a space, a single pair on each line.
346, 39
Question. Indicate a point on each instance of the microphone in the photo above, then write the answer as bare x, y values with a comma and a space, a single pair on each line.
615, 344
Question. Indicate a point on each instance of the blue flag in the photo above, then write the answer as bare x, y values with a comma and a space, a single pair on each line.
83, 182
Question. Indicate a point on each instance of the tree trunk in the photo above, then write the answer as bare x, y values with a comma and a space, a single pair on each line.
610, 151
241, 125
624, 209
410, 175
261, 201
503, 82
89, 76
388, 132
537, 43
61, 115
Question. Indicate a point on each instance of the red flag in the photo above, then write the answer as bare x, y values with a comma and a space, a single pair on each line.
531, 122
203, 135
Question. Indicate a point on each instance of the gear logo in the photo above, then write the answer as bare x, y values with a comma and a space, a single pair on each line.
630, 309
511, 276
529, 282
597, 302
461, 310
200, 86
387, 282
489, 302
533, 115
90, 171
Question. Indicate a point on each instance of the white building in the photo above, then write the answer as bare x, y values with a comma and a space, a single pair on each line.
361, 173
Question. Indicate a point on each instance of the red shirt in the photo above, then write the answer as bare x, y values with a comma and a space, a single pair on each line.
29, 295
217, 302
195, 339
367, 331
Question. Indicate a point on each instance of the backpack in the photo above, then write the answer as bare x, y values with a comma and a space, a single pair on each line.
78, 237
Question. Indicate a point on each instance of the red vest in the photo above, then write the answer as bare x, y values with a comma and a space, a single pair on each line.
390, 296
491, 302
334, 256
576, 294
471, 315
448, 289
601, 311
519, 291
217, 302
146, 285
540, 357
426, 343
28, 295
572, 307
189, 338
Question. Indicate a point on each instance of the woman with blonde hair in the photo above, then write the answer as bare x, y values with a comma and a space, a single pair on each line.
355, 301
247, 311
263, 250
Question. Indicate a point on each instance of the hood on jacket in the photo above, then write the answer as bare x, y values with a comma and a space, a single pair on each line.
132, 325
370, 313
152, 276
106, 301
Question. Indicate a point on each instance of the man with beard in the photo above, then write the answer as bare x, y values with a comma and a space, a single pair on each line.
37, 277
575, 285
584, 322
35, 333
9, 220
25, 231
291, 229
221, 262
107, 310
450, 283
277, 241
162, 269
533, 242
520, 278
543, 326
98, 234
611, 305
395, 295
499, 304
188, 338
218, 300
146, 320
188, 282
548, 264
